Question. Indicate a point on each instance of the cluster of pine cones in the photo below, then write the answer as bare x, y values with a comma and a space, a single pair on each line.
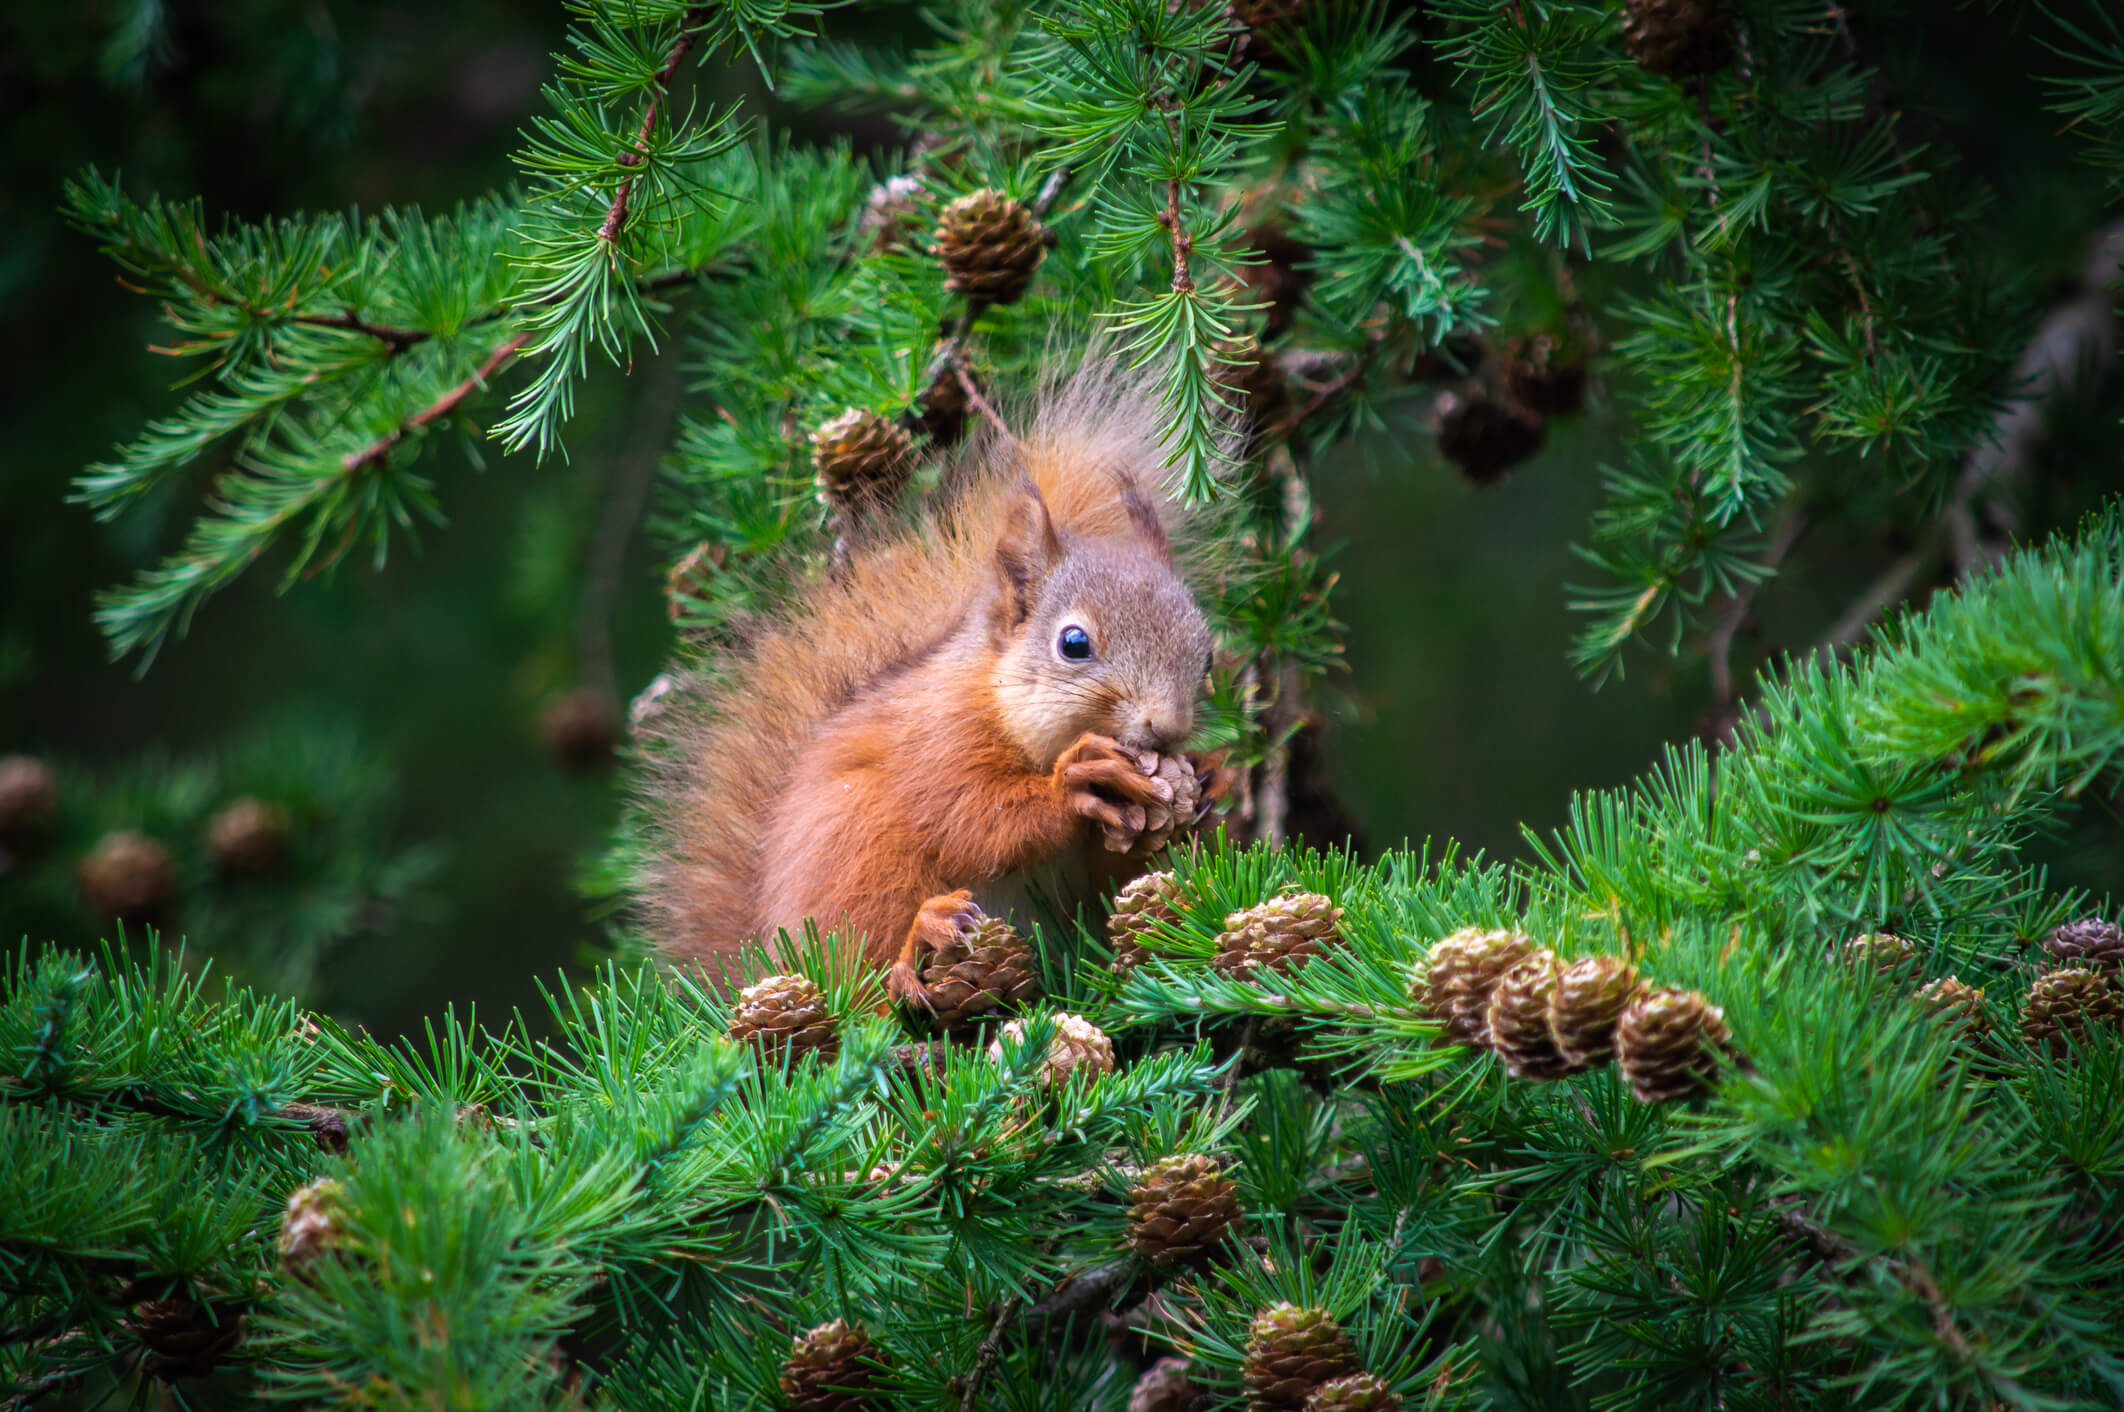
2080, 986
1273, 936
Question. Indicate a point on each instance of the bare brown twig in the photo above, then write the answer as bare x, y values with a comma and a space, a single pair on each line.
988, 1354
435, 411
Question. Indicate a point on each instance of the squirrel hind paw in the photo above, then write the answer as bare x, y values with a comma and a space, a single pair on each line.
940, 921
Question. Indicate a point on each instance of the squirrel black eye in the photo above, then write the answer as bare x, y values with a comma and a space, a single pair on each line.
1075, 644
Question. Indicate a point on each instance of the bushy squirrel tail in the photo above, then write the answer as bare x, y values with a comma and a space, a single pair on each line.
1089, 441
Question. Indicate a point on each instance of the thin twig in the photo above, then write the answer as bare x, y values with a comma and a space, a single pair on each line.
988, 1354
435, 411
1791, 528
616, 214
398, 340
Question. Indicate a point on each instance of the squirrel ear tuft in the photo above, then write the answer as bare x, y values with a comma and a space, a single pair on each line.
1144, 516
1027, 549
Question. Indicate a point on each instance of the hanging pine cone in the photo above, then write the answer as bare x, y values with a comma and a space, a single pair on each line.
248, 838
1164, 1387
1485, 437
1678, 38
833, 1368
1879, 952
1359, 1392
1138, 908
1180, 1210
2062, 1006
990, 245
1667, 1044
2089, 942
945, 405
128, 877
1458, 974
785, 1012
687, 580
1543, 375
1290, 1352
1517, 1018
981, 969
580, 729
862, 461
1961, 1006
29, 796
314, 1223
183, 1339
1078, 1046
1585, 1005
1278, 934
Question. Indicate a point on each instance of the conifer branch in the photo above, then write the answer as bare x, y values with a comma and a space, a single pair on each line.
441, 407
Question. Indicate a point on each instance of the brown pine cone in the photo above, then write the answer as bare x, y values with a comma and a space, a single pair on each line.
1678, 38
990, 244
862, 461
945, 406
833, 1368
1181, 1209
580, 729
1164, 1387
1278, 934
1078, 1046
1879, 952
1138, 908
1543, 375
1667, 1044
1290, 1352
981, 969
890, 210
785, 1011
29, 796
1359, 1392
1517, 1018
183, 1339
1587, 1001
248, 838
128, 877
1485, 437
2091, 942
2064, 1005
314, 1223
1961, 1006
1458, 974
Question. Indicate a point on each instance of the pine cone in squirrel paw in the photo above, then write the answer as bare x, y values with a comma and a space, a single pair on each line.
1164, 1387
1678, 38
1960, 1005
2064, 1005
1138, 908
1078, 1046
833, 1368
1518, 1018
1290, 1352
785, 1012
982, 968
1458, 974
1359, 1392
1162, 821
1277, 934
989, 244
2090, 942
1180, 1210
183, 1339
1485, 437
1589, 998
862, 461
128, 877
1667, 1044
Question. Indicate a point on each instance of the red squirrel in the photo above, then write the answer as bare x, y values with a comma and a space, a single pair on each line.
988, 701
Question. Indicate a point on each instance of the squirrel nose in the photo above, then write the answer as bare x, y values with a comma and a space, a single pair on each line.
1155, 732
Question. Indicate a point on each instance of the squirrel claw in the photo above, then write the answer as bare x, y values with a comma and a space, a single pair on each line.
941, 918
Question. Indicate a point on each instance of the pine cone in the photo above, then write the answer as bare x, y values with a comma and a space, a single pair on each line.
862, 461
834, 1368
889, 211
183, 1339
945, 406
1543, 375
1879, 952
785, 1011
978, 971
1181, 1209
1517, 1018
248, 838
1962, 1006
1359, 1392
1677, 38
1164, 1387
580, 729
2064, 1005
1458, 974
128, 877
1278, 934
687, 580
1667, 1044
1138, 908
990, 245
314, 1223
2089, 942
1587, 1001
1289, 1353
1484, 437
1078, 1045
29, 796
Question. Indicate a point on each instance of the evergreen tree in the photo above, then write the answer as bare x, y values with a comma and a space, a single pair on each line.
1782, 1077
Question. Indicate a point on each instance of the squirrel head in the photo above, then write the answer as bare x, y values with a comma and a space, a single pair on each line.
1093, 633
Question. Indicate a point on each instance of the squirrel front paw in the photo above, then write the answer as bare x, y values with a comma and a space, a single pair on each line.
1121, 790
941, 920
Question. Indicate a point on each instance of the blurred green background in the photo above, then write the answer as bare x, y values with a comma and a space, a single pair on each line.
1460, 716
